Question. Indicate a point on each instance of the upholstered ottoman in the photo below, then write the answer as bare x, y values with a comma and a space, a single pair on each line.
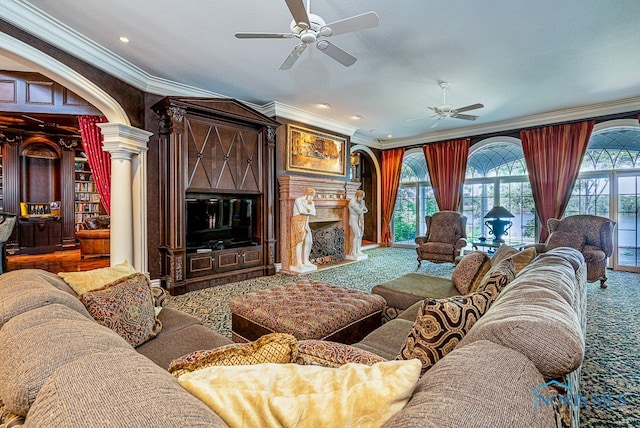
306, 309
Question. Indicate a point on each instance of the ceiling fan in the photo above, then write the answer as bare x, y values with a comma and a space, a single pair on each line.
312, 29
447, 110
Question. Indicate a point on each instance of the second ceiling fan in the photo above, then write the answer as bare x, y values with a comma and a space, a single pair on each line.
447, 110
312, 29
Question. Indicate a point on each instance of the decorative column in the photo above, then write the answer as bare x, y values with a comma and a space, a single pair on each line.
128, 147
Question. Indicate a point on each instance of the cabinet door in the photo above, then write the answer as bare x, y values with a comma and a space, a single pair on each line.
252, 256
227, 260
200, 264
221, 157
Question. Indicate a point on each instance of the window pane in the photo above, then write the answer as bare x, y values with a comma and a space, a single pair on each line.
477, 201
517, 198
628, 225
404, 216
589, 196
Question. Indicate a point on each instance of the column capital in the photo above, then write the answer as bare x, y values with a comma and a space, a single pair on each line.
123, 141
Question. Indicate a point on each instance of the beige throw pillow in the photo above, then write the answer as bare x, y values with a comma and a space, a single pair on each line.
95, 279
468, 269
292, 395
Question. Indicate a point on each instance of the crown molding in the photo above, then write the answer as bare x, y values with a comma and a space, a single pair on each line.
557, 116
276, 109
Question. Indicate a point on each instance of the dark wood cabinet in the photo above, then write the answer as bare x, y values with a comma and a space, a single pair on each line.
214, 148
40, 235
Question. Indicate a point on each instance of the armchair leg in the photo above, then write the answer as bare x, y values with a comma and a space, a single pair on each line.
602, 282
419, 261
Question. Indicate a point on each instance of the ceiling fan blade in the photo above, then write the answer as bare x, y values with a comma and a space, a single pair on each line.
437, 122
336, 53
299, 13
417, 118
470, 107
293, 56
264, 35
348, 25
464, 116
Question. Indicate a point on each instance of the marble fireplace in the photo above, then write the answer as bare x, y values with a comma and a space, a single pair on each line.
332, 212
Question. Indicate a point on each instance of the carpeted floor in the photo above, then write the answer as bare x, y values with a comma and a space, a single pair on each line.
611, 370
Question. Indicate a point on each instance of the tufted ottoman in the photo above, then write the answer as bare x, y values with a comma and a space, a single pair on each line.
306, 309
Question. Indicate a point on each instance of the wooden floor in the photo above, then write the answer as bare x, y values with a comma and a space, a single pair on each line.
60, 261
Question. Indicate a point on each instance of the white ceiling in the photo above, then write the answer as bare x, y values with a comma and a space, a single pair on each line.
528, 62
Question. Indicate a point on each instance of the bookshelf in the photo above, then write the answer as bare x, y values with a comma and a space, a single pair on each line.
87, 199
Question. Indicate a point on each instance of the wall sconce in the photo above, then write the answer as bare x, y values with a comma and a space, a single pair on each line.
498, 227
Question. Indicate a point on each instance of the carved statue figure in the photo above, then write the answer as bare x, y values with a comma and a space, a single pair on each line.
357, 209
301, 239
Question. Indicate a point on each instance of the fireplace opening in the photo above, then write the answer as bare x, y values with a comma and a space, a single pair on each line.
328, 243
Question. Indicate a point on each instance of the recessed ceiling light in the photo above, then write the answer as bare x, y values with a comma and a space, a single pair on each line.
324, 105
357, 117
389, 136
123, 39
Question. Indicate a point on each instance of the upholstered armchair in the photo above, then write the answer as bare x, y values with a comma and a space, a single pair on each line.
591, 235
95, 236
445, 238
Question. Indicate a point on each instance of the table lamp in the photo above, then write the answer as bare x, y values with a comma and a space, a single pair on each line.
498, 227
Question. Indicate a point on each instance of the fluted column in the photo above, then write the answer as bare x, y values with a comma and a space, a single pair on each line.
128, 147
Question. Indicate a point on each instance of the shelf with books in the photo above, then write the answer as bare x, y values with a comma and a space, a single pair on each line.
87, 199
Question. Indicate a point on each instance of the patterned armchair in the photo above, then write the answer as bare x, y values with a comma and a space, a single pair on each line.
445, 238
591, 235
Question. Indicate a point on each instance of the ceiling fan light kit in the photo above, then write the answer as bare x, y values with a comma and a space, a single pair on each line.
311, 28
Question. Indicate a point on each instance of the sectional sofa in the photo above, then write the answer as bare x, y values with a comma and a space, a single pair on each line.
58, 367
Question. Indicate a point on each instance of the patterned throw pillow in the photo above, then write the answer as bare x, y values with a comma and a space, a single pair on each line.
468, 269
126, 307
498, 277
96, 279
9, 419
332, 354
271, 348
441, 324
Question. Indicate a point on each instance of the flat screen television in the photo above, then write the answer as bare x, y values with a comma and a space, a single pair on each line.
216, 222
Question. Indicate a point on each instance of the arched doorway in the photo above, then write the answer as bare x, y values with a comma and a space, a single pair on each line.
366, 170
129, 145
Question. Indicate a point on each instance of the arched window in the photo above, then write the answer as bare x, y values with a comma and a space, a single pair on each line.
415, 199
497, 175
609, 186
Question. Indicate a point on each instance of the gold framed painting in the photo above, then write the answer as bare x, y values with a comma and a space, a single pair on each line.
315, 152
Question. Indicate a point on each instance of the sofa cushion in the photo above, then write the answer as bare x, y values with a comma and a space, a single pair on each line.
95, 279
441, 324
292, 395
126, 307
468, 269
19, 294
536, 322
481, 385
117, 388
270, 348
169, 345
34, 344
520, 258
332, 354
410, 288
561, 238
388, 339
498, 277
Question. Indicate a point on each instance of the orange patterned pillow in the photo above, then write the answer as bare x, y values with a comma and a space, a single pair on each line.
441, 324
271, 348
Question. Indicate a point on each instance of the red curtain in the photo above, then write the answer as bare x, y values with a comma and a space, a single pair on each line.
553, 155
99, 160
447, 165
391, 168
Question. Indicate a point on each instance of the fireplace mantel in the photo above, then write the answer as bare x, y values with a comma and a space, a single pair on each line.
331, 201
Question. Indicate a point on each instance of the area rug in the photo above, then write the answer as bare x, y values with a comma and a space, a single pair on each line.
610, 383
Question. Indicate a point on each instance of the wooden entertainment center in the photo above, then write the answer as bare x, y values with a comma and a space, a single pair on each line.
214, 149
